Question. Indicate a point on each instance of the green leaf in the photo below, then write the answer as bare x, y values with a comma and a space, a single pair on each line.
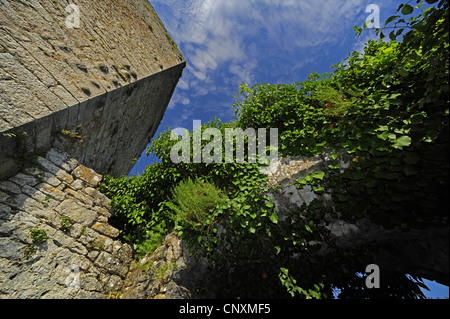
390, 19
407, 9
382, 128
392, 36
319, 190
386, 135
403, 72
358, 31
394, 96
274, 217
308, 228
334, 155
402, 141
392, 136
278, 249
319, 175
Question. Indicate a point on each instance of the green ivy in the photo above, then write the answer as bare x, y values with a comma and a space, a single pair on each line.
384, 112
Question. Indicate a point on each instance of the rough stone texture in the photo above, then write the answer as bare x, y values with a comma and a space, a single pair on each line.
100, 89
168, 273
84, 261
284, 172
86, 251
424, 253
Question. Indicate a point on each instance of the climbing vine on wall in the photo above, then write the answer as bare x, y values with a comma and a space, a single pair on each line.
390, 117
383, 111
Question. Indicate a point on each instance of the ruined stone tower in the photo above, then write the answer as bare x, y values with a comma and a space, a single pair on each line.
83, 87
92, 79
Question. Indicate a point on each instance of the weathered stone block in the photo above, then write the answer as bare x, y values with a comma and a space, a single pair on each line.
52, 191
9, 187
87, 175
62, 160
105, 229
23, 202
3, 197
10, 249
98, 198
4, 211
79, 214
107, 261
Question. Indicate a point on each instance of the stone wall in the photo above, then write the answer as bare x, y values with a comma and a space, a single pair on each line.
168, 273
77, 100
96, 88
80, 257
420, 252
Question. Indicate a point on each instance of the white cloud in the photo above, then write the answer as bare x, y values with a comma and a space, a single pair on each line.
178, 97
183, 85
227, 42
185, 101
214, 32
243, 72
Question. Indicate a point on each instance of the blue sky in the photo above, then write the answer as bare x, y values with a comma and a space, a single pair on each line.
227, 42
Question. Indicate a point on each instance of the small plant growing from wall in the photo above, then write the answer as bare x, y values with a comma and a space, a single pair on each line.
75, 135
66, 223
37, 236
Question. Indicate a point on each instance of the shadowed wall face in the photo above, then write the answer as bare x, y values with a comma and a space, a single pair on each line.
97, 91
